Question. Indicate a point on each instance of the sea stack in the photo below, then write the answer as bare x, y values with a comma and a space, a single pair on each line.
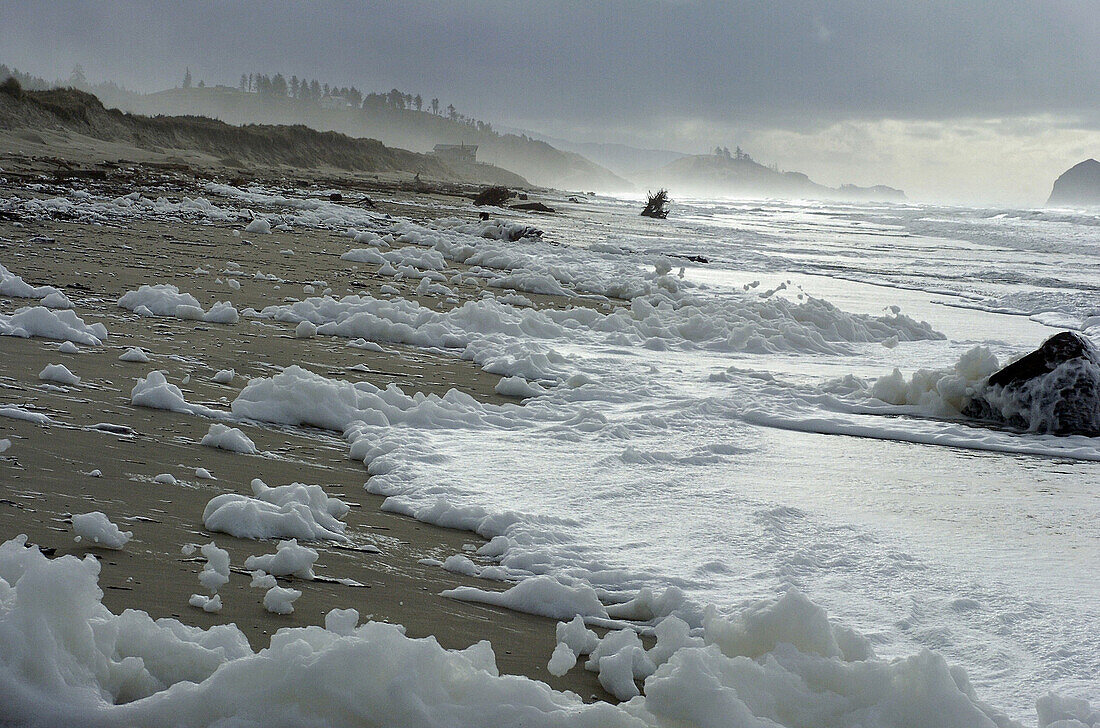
1079, 186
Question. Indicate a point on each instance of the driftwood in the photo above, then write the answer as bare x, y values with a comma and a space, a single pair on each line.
657, 204
493, 196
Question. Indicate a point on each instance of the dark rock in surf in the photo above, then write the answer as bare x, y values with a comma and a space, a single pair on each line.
1054, 389
533, 207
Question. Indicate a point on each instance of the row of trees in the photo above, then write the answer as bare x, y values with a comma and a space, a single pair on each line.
313, 91
26, 80
76, 80
741, 155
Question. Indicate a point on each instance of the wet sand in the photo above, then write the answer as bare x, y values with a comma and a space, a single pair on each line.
44, 475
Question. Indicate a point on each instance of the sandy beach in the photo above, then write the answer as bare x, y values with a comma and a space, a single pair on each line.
44, 476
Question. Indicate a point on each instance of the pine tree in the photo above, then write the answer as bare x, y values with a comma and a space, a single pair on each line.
187, 78
435, 106
244, 83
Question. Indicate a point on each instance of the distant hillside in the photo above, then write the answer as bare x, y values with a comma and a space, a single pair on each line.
739, 175
537, 161
622, 159
269, 145
1078, 186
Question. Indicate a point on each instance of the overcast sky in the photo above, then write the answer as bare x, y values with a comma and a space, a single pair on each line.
968, 99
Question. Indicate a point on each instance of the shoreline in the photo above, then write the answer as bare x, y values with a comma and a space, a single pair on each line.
46, 465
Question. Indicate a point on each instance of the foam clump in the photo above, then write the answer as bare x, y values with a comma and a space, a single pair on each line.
280, 600
297, 396
15, 287
134, 354
212, 604
295, 511
1056, 711
97, 530
165, 299
289, 559
517, 387
224, 437
576, 636
216, 572
543, 595
561, 661
258, 226
43, 323
938, 392
411, 256
155, 391
459, 564
58, 373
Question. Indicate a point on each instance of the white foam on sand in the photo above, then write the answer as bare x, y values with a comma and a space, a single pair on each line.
294, 511
166, 300
95, 529
224, 437
67, 659
41, 322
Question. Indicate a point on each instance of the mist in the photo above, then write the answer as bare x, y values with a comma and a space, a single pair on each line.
960, 102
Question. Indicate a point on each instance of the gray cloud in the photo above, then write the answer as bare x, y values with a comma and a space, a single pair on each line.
636, 70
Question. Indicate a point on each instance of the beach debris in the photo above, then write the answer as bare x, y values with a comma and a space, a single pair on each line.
657, 204
493, 196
